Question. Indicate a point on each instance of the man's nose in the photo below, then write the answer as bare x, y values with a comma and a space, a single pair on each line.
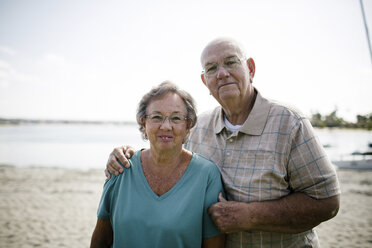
222, 72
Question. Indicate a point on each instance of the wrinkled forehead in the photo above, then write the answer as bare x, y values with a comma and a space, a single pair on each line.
216, 52
168, 103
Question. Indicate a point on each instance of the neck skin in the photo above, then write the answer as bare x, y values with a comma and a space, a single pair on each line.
238, 110
163, 161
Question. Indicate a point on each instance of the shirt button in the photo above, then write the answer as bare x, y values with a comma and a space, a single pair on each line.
228, 153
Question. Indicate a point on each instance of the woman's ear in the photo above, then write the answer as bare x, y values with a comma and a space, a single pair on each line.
188, 129
143, 128
143, 122
188, 124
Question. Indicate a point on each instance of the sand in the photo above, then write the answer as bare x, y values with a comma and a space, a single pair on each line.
52, 207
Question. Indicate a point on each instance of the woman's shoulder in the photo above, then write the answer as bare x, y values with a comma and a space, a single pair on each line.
134, 161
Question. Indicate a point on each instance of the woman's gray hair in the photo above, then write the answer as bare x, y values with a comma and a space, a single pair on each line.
156, 93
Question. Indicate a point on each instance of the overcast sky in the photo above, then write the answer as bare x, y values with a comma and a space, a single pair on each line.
93, 60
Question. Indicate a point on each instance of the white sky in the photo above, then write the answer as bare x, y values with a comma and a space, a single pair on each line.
94, 60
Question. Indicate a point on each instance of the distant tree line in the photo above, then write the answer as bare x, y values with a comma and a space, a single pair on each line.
332, 120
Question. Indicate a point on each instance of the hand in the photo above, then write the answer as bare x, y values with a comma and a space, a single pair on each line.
118, 154
225, 215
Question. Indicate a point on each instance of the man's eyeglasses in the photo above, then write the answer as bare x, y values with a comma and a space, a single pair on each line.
173, 119
229, 63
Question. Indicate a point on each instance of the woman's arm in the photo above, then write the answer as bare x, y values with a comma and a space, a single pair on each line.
215, 242
102, 235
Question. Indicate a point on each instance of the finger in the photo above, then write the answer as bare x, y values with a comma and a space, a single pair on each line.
221, 198
108, 175
129, 152
118, 154
111, 167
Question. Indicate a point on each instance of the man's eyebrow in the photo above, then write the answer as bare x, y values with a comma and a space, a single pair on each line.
228, 57
210, 63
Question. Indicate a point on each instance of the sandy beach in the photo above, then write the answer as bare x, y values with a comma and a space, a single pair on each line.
53, 207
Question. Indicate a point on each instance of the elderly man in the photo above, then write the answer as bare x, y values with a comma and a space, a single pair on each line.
279, 182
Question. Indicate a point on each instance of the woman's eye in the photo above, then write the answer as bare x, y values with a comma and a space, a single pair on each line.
176, 118
157, 117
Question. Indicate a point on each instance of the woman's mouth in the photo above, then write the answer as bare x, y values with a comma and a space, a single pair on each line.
165, 137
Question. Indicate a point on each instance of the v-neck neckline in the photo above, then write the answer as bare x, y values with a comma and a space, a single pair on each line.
169, 192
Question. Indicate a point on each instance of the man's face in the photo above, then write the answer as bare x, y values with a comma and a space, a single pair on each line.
226, 72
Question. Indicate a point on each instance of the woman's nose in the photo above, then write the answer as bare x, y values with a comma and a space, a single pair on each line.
166, 123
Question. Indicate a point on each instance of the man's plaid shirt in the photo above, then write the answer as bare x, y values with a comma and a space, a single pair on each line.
274, 154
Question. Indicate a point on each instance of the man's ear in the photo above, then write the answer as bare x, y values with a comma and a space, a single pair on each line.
203, 79
251, 67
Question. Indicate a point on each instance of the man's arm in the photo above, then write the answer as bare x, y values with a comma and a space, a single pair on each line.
294, 213
103, 235
118, 154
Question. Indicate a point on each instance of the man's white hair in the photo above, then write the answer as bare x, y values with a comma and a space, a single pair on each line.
226, 40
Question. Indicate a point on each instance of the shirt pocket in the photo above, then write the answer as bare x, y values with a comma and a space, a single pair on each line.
255, 176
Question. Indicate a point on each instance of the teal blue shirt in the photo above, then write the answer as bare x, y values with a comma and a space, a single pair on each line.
178, 218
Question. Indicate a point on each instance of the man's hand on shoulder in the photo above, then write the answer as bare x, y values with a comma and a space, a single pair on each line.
117, 156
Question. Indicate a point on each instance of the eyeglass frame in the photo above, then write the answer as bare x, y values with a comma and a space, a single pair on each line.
224, 66
185, 118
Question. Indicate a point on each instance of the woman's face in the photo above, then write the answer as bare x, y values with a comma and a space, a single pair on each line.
165, 123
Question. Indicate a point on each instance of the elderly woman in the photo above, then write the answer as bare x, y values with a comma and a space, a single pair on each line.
162, 199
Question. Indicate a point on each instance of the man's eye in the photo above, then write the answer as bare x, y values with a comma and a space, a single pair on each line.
231, 63
212, 68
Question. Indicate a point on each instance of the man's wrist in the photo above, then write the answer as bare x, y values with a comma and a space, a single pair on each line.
244, 218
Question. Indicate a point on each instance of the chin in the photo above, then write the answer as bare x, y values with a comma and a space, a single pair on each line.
229, 95
166, 145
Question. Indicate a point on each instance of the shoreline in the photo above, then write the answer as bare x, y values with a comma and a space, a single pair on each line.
56, 207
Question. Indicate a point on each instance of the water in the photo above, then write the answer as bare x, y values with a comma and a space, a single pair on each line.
88, 146
340, 143
68, 146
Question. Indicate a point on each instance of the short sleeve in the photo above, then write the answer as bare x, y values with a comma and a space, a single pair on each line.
309, 169
213, 189
104, 207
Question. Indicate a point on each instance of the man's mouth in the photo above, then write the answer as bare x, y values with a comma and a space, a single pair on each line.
223, 85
